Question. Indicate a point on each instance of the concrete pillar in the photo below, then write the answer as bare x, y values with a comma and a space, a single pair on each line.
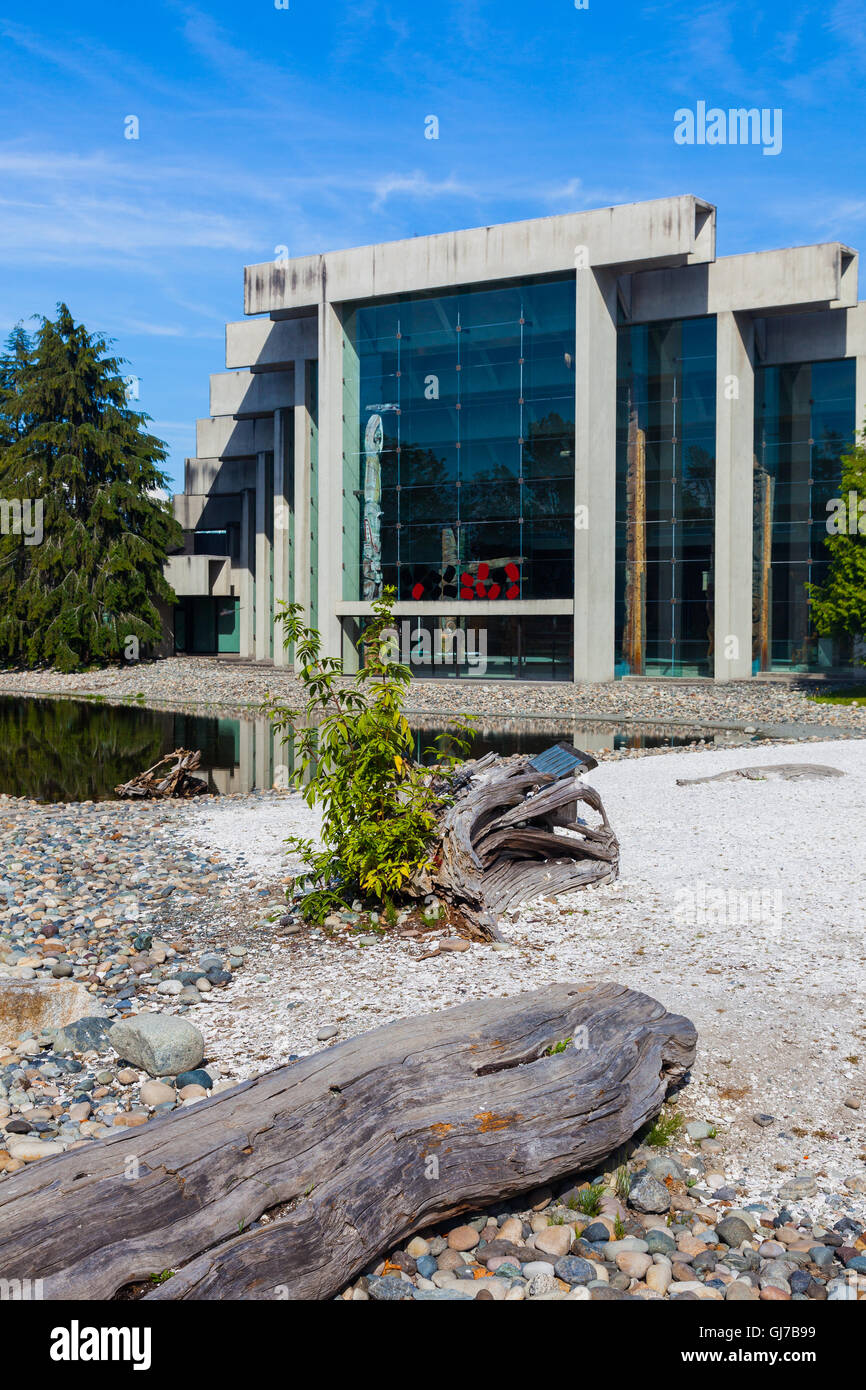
860, 396
283, 498
246, 616
263, 559
329, 578
301, 500
735, 446
594, 475
264, 778
246, 757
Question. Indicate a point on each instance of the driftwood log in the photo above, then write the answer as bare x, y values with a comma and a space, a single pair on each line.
289, 1185
511, 833
179, 781
772, 772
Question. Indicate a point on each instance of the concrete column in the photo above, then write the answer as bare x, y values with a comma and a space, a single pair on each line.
735, 447
330, 473
246, 621
860, 396
301, 500
283, 490
594, 475
263, 560
264, 779
246, 757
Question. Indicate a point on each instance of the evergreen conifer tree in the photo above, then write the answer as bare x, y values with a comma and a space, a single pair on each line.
82, 570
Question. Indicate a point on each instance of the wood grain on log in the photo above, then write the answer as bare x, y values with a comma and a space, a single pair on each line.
348, 1151
499, 842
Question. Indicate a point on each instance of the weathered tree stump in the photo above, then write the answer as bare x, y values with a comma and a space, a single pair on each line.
347, 1152
512, 833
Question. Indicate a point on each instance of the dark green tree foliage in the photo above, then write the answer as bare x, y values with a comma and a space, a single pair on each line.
14, 361
838, 606
69, 441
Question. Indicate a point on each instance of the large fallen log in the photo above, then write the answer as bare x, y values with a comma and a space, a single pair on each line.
510, 833
289, 1185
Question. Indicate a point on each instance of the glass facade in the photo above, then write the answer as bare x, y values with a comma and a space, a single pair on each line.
804, 422
459, 447
665, 497
510, 647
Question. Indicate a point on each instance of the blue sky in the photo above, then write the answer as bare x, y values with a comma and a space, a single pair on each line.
261, 127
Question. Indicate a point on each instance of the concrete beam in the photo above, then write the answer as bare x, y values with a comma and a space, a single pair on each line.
462, 608
197, 576
765, 282
668, 231
735, 433
207, 511
818, 337
219, 476
244, 394
224, 437
266, 345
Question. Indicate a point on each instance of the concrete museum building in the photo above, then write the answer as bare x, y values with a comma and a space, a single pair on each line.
582, 443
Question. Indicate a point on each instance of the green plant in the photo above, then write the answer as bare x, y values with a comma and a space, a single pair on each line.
622, 1182
353, 759
556, 1047
837, 606
664, 1130
588, 1199
618, 1228
161, 1278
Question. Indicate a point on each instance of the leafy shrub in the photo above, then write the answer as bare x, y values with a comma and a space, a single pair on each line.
354, 760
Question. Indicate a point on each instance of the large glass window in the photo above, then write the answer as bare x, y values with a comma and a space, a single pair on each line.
509, 646
459, 445
804, 422
665, 495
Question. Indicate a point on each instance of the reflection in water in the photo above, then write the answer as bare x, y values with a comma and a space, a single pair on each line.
79, 750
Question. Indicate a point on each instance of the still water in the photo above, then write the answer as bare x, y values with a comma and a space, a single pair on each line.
80, 750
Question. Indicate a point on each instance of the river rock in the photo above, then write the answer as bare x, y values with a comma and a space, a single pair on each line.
158, 1043
27, 1006
733, 1230
156, 1093
89, 1034
648, 1195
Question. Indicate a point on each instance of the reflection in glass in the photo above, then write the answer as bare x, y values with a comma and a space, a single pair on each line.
804, 423
665, 503
475, 393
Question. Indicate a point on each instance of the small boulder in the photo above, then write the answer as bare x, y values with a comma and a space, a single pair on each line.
648, 1195
159, 1044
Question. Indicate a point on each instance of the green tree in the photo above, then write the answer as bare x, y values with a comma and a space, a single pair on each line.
16, 358
838, 605
83, 571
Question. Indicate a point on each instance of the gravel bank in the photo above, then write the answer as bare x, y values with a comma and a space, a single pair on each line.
740, 904
192, 681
